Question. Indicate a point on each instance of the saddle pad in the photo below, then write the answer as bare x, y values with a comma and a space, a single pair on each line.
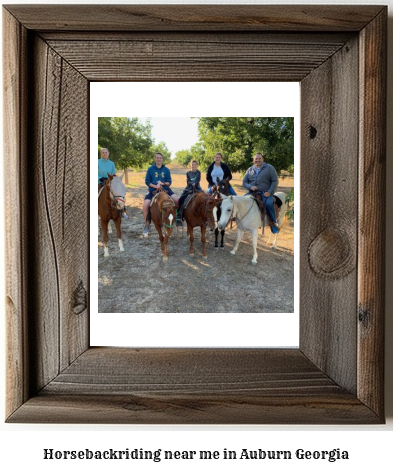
154, 198
187, 200
277, 201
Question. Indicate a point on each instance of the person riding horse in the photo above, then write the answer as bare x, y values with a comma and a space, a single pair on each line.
221, 171
106, 167
193, 186
262, 179
158, 177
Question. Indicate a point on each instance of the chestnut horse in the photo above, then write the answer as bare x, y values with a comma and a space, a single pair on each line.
163, 215
201, 212
111, 203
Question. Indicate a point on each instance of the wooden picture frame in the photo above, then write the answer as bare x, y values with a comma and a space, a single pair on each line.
338, 54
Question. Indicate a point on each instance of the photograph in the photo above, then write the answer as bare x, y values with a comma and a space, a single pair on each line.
196, 214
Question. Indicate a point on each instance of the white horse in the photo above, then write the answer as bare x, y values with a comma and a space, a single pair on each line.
248, 218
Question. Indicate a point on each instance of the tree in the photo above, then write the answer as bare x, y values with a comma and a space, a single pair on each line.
163, 149
183, 157
129, 141
239, 138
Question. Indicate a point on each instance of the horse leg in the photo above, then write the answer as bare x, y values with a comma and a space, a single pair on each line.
165, 255
216, 241
203, 240
118, 232
110, 230
104, 226
222, 239
190, 232
238, 239
254, 233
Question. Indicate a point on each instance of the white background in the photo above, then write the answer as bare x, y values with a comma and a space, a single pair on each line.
184, 99
21, 446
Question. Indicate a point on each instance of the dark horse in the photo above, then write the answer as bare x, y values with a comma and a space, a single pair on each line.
221, 188
111, 203
163, 215
201, 212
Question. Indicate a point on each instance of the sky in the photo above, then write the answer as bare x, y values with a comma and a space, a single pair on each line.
179, 133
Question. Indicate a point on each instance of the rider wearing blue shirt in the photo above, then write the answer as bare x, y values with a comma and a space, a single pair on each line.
105, 166
158, 176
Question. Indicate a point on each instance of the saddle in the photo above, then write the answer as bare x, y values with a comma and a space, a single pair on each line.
262, 209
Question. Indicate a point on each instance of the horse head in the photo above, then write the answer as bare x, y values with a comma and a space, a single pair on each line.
211, 211
168, 212
223, 186
227, 211
117, 191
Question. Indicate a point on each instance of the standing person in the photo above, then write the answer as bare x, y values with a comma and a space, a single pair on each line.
105, 167
193, 178
262, 178
219, 170
158, 176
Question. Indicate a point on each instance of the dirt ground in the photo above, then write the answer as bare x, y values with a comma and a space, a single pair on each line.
138, 281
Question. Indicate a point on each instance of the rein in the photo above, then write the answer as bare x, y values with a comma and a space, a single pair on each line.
245, 215
204, 223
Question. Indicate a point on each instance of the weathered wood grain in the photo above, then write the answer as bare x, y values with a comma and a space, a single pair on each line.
193, 386
336, 375
186, 60
371, 230
195, 17
15, 211
60, 177
329, 189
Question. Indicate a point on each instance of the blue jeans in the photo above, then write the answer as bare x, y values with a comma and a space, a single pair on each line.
269, 204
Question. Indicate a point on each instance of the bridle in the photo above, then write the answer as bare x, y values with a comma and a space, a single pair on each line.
245, 215
207, 201
168, 202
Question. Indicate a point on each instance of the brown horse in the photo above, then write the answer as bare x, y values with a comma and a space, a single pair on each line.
201, 212
111, 203
163, 215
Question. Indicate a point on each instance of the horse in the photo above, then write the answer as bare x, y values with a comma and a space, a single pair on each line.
111, 203
248, 218
222, 188
201, 211
163, 215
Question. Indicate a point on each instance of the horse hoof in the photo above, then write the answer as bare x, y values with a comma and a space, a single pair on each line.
232, 252
204, 256
191, 255
253, 263
222, 247
164, 259
216, 248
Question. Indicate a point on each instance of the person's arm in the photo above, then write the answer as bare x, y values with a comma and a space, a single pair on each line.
148, 180
227, 172
198, 178
273, 181
209, 175
246, 180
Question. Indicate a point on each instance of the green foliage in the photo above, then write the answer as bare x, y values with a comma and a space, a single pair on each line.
239, 138
289, 200
128, 140
183, 157
163, 149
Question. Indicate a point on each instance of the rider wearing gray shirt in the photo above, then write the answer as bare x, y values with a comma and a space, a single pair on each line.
265, 178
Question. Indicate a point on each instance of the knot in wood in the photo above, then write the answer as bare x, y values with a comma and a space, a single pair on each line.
330, 254
80, 299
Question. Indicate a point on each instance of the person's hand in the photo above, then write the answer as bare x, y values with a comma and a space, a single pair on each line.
266, 194
254, 188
